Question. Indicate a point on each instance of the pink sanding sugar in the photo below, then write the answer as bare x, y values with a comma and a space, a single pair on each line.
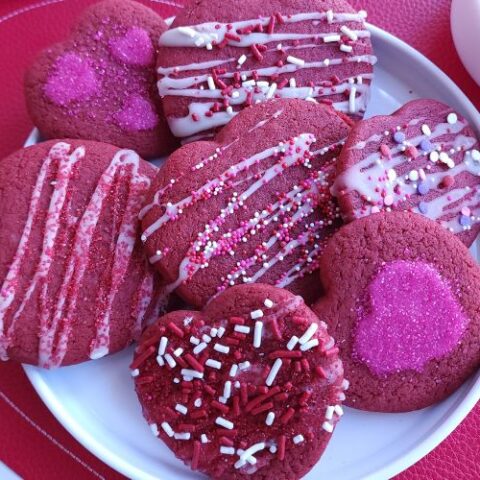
134, 48
137, 114
72, 78
410, 317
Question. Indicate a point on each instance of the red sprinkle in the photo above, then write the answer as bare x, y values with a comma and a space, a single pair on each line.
142, 357
304, 398
271, 25
279, 18
243, 393
447, 181
320, 371
285, 354
237, 320
256, 52
262, 408
281, 447
232, 36
220, 406
236, 406
287, 416
210, 390
194, 363
187, 427
226, 441
145, 379
331, 352
385, 151
199, 414
412, 152
196, 454
224, 432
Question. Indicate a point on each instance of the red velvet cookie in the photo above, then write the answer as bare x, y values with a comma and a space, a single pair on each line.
403, 301
74, 283
424, 158
100, 83
217, 59
251, 206
251, 386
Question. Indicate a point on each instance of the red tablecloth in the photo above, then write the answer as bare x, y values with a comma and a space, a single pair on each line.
32, 442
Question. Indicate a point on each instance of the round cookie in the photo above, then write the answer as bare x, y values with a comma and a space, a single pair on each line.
402, 301
252, 385
251, 206
424, 158
99, 84
74, 282
215, 61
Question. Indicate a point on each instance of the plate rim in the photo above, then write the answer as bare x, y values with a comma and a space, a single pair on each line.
425, 446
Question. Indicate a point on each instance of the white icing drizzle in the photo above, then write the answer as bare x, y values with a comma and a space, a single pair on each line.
55, 326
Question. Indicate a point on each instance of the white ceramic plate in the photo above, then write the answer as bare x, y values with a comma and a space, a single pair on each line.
97, 404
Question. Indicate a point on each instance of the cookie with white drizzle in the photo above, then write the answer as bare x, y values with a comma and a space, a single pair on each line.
74, 282
425, 158
252, 385
216, 60
254, 205
402, 301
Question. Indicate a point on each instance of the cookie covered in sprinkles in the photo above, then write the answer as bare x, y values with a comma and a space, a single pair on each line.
74, 282
402, 301
423, 158
254, 205
217, 59
250, 386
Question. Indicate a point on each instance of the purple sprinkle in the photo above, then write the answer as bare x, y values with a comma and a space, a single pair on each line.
426, 145
465, 221
423, 188
423, 207
399, 137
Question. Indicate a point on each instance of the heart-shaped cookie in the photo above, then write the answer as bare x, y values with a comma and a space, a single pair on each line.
403, 302
424, 158
74, 282
216, 60
253, 205
251, 385
99, 84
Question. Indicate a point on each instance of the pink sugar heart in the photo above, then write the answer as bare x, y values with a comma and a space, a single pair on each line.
73, 78
134, 48
137, 114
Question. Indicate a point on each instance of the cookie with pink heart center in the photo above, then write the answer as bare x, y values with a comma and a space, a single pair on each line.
250, 386
253, 205
74, 282
402, 301
423, 158
215, 60
100, 83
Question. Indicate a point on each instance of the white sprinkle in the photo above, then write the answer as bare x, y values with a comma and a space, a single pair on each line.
247, 454
181, 408
328, 427
241, 60
211, 83
227, 450
349, 33
170, 360
475, 155
203, 438
235, 94
295, 61
186, 372
329, 412
413, 175
352, 107
331, 38
221, 348
229, 110
273, 449
256, 314
293, 83
310, 344
198, 402
182, 436
178, 352
194, 340
257, 334
345, 384
329, 15
308, 333
222, 399
189, 31
168, 429
160, 361
279, 46
163, 345
154, 429
268, 303
452, 118
248, 83
326, 62
292, 342
426, 130
271, 90
209, 46
213, 364
262, 84
273, 372
242, 329
339, 410
298, 439
135, 373
244, 365
434, 156
187, 320
206, 338
176, 380
227, 389
346, 48
221, 332
233, 370
224, 423
270, 418
199, 348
